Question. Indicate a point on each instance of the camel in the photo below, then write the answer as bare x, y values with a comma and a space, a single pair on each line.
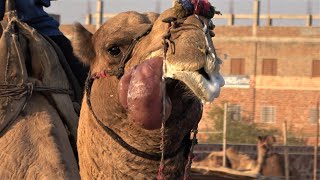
213, 160
135, 121
266, 164
35, 108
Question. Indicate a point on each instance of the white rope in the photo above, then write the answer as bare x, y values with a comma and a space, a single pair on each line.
163, 89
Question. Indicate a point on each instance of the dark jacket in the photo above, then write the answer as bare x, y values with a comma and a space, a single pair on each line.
32, 13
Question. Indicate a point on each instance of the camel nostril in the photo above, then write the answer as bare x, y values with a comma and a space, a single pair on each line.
211, 25
204, 74
212, 34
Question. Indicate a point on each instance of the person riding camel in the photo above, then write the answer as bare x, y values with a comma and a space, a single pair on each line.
33, 13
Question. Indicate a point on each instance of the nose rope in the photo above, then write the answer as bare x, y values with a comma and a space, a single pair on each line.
163, 89
194, 131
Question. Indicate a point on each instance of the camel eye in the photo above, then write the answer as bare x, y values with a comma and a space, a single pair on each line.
114, 50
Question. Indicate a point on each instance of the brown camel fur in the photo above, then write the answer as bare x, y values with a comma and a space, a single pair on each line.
266, 164
100, 156
213, 160
34, 142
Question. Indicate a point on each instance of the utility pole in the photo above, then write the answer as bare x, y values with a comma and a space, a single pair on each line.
158, 6
309, 13
309, 7
224, 144
315, 162
231, 7
269, 20
286, 153
231, 12
99, 15
256, 16
89, 15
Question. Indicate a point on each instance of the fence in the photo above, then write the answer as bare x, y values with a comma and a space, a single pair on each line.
301, 163
284, 149
231, 19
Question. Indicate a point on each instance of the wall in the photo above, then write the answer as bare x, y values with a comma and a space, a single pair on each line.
293, 91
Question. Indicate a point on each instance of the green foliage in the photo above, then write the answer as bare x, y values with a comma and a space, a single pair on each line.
241, 132
294, 140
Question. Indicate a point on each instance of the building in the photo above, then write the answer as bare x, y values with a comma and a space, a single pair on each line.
272, 73
272, 77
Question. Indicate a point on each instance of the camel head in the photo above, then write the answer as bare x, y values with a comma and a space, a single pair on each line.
135, 103
265, 143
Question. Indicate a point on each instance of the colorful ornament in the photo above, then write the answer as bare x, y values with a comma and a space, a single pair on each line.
204, 8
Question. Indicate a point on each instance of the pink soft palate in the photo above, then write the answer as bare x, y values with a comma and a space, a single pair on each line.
140, 93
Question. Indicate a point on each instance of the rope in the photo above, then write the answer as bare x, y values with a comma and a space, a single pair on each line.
191, 155
166, 42
119, 71
163, 89
120, 141
18, 91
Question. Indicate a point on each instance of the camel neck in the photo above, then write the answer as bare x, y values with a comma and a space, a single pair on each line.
260, 160
115, 162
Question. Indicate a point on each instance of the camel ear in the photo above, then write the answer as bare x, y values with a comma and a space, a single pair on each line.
82, 44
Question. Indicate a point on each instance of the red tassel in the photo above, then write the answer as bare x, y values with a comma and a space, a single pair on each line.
201, 7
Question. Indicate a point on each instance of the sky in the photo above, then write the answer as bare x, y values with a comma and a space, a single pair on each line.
75, 10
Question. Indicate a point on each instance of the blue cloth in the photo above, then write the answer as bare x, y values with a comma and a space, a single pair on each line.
32, 13
2, 8
187, 5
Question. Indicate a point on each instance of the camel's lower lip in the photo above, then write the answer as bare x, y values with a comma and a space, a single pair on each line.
205, 86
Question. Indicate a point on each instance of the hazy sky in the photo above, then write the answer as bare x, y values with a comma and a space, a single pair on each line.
75, 10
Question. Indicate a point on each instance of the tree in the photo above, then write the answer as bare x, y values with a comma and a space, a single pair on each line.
238, 131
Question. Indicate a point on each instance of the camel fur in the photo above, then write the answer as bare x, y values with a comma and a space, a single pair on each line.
100, 156
34, 142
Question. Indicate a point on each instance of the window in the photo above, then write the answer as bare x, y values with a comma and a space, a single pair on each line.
313, 115
269, 67
234, 113
268, 114
316, 68
237, 67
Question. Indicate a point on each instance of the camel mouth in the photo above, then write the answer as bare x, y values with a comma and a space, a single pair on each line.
205, 83
183, 100
205, 87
